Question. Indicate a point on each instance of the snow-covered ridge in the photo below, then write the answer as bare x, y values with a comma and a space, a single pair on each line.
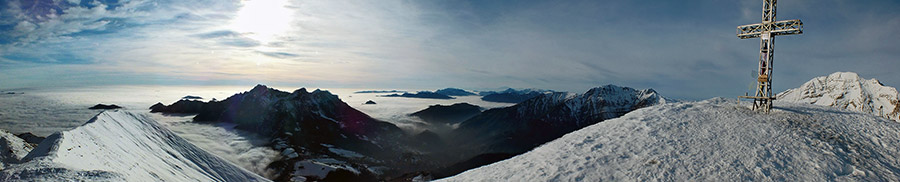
12, 149
608, 101
714, 140
847, 90
122, 146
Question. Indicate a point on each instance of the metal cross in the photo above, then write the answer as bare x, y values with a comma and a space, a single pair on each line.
766, 32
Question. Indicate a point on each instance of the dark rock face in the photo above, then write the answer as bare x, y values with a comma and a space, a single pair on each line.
454, 92
31, 138
369, 102
104, 106
422, 95
511, 95
451, 114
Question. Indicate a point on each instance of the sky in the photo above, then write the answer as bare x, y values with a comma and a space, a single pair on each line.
682, 49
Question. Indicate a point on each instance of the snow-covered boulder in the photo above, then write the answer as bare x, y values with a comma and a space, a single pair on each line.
122, 146
12, 149
714, 140
846, 90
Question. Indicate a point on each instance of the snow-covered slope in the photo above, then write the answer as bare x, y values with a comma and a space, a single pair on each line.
847, 90
12, 149
714, 140
122, 146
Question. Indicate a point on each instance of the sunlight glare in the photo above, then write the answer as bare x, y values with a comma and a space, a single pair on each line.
263, 20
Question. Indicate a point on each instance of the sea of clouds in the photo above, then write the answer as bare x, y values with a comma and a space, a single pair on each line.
46, 111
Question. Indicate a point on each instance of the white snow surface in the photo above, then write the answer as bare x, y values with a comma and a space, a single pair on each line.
847, 90
12, 149
714, 140
122, 146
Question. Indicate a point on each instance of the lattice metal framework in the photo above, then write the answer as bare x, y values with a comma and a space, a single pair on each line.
766, 32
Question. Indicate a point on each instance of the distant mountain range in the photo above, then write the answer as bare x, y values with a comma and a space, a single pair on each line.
454, 92
445, 93
377, 91
847, 90
512, 95
506, 96
318, 131
421, 95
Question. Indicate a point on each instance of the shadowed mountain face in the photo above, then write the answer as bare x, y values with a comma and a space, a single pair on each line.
304, 125
451, 114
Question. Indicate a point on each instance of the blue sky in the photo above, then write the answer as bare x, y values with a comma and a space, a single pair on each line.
683, 49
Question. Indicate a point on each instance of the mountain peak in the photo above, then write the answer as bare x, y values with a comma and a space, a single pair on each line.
259, 87
847, 90
844, 76
301, 90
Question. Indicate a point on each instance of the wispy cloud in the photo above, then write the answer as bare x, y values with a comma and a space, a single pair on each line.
681, 49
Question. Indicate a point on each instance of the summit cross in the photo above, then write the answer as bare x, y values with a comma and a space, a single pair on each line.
766, 32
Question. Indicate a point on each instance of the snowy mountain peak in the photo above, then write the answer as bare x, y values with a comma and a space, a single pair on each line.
614, 92
847, 90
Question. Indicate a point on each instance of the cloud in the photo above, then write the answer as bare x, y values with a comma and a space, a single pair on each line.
280, 55
682, 50
218, 34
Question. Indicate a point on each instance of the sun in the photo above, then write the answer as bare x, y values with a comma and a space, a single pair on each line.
262, 20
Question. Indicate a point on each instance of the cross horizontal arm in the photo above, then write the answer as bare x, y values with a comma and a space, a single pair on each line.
784, 27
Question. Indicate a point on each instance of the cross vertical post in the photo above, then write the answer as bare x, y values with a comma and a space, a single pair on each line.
766, 32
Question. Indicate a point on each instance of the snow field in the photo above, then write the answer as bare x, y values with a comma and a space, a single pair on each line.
713, 140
